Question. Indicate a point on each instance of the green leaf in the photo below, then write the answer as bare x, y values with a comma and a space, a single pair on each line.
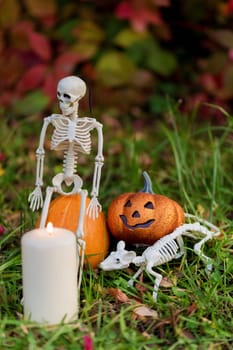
148, 54
33, 102
115, 68
87, 38
162, 62
127, 37
64, 31
158, 104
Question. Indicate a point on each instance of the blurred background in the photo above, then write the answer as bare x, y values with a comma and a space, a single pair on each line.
133, 54
160, 79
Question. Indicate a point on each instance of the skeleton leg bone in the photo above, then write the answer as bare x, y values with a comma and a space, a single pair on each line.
158, 279
44, 215
135, 276
196, 229
204, 258
81, 244
80, 228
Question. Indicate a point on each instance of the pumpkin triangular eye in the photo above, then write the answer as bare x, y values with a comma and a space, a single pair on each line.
128, 204
149, 205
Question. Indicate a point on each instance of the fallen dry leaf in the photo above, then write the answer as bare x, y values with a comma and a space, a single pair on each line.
192, 308
24, 329
185, 333
118, 295
168, 283
140, 288
144, 311
146, 335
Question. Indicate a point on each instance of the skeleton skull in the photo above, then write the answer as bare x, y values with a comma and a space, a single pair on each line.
69, 91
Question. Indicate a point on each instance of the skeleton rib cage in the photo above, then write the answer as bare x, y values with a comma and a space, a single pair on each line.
72, 137
167, 251
77, 131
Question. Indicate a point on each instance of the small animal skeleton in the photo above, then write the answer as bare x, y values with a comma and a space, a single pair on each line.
164, 250
72, 135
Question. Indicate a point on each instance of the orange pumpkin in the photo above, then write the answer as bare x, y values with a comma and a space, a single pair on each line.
64, 212
143, 217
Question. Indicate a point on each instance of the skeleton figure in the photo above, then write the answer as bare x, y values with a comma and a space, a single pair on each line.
72, 135
164, 250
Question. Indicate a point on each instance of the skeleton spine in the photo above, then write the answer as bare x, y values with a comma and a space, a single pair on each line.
70, 162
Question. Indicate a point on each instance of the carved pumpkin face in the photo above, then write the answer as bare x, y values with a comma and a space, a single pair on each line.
143, 217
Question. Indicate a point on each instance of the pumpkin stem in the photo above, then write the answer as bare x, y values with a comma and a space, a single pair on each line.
147, 183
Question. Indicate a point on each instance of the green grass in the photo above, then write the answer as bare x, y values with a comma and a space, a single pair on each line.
188, 161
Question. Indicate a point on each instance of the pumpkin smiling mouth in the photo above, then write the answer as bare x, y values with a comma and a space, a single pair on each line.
140, 225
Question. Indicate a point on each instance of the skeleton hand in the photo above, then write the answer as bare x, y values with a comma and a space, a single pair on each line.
35, 199
93, 208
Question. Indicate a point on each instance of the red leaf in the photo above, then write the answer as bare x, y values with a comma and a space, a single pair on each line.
124, 10
230, 7
11, 68
2, 230
32, 78
139, 16
7, 97
20, 34
2, 157
40, 45
230, 55
208, 82
48, 21
50, 86
65, 63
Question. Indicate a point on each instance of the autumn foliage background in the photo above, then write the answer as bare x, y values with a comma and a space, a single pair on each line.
132, 54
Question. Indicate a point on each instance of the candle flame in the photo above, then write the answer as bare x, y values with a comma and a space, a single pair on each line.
49, 227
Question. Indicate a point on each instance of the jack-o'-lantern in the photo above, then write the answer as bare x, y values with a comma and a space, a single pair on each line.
143, 217
64, 212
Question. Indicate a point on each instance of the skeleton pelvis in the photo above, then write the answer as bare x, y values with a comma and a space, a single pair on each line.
61, 179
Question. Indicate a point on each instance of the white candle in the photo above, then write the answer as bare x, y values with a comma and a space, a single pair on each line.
49, 264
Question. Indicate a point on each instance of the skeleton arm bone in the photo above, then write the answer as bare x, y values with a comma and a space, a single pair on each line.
94, 205
35, 198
